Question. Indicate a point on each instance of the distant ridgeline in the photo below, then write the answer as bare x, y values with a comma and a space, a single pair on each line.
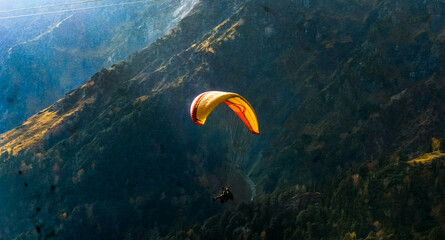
42, 57
349, 96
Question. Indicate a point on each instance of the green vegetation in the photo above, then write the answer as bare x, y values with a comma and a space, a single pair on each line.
372, 201
334, 83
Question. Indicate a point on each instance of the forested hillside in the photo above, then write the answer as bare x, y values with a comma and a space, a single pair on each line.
348, 95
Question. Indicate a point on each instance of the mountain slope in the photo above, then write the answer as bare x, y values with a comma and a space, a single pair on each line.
143, 167
394, 201
61, 51
334, 83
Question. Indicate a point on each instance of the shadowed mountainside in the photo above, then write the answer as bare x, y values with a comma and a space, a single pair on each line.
370, 201
334, 84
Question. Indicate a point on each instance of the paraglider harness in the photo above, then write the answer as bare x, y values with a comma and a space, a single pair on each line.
224, 196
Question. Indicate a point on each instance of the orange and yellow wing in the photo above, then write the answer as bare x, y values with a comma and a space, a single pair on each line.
204, 104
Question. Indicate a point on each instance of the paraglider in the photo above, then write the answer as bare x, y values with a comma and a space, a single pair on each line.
224, 196
204, 104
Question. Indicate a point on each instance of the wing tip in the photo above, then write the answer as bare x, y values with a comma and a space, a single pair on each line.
193, 108
198, 123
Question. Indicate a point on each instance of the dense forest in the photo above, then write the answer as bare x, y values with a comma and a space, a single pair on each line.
375, 200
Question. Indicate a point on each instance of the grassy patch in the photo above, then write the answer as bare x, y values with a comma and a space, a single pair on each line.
426, 158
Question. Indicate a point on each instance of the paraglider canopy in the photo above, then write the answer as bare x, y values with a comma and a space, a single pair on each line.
205, 102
